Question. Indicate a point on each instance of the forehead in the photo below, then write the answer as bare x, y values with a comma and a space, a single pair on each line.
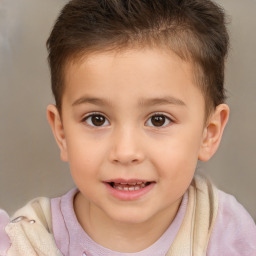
140, 73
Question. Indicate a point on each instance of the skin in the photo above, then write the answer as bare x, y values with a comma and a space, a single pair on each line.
126, 89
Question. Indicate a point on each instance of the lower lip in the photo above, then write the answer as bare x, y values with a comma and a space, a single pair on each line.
129, 195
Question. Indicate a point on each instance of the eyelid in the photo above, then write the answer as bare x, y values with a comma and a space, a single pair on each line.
171, 119
161, 114
92, 114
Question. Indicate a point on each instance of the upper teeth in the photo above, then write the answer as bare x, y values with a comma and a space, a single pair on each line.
129, 186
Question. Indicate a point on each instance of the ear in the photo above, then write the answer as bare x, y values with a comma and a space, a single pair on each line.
55, 122
213, 132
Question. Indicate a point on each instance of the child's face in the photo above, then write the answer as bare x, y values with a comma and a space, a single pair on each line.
134, 121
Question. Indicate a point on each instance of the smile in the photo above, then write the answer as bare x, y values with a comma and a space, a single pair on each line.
129, 186
129, 190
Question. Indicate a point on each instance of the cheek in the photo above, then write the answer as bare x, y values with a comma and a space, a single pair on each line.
84, 167
84, 156
177, 155
177, 171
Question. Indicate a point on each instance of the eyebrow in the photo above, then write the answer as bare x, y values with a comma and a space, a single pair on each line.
91, 100
142, 102
168, 100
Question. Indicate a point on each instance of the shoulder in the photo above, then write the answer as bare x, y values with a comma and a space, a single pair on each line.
4, 238
234, 232
18, 229
64, 220
30, 226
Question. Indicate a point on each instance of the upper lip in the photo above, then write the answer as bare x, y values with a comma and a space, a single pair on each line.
127, 181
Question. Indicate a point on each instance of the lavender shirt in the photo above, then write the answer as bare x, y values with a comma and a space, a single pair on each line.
234, 233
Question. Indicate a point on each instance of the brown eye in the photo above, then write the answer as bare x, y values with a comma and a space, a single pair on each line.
96, 120
158, 121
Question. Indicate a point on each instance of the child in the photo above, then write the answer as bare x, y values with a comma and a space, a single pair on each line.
139, 100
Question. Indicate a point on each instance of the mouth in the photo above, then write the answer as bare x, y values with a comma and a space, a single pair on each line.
128, 190
129, 186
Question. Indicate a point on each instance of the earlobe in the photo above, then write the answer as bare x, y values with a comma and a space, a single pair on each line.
213, 131
55, 122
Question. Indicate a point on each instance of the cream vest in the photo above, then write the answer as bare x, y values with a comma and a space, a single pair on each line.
31, 229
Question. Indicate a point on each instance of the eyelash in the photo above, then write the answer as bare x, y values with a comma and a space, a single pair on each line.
166, 118
94, 114
97, 114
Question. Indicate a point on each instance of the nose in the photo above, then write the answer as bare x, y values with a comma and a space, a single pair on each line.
126, 147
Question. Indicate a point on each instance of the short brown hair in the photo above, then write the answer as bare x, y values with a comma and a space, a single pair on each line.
194, 29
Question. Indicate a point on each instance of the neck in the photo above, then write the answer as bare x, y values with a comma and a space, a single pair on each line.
131, 237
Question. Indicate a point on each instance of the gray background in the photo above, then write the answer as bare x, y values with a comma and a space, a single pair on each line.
29, 159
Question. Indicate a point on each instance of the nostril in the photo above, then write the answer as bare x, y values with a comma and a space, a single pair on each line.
127, 160
125, 154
